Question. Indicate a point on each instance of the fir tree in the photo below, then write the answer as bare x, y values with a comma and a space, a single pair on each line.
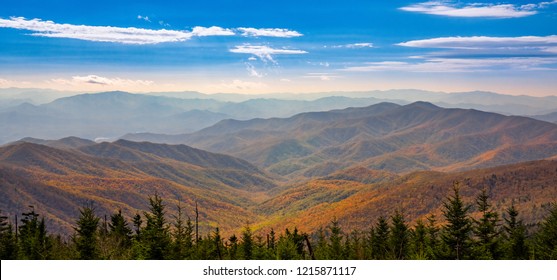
546, 238
515, 232
8, 246
247, 243
486, 230
33, 238
398, 239
419, 241
456, 233
87, 234
380, 240
156, 234
335, 251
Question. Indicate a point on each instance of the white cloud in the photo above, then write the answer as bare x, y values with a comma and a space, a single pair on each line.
145, 18
321, 76
487, 10
242, 85
129, 35
444, 65
102, 81
355, 46
483, 42
211, 31
252, 71
268, 32
265, 53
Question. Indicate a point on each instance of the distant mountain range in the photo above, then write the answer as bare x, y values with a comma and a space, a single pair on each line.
48, 114
385, 136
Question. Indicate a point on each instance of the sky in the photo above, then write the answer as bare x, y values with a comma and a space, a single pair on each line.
280, 46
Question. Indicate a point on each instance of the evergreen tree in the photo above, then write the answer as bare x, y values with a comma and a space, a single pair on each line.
217, 242
33, 238
398, 239
546, 238
247, 243
335, 251
8, 246
181, 247
287, 249
432, 240
156, 235
486, 230
120, 232
456, 233
233, 247
380, 240
87, 234
419, 242
515, 232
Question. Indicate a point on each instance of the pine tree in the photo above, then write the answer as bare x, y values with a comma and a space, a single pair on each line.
33, 237
456, 233
233, 247
156, 235
335, 251
181, 247
515, 231
286, 248
8, 246
247, 243
432, 240
86, 239
419, 241
380, 240
486, 230
546, 237
120, 231
398, 239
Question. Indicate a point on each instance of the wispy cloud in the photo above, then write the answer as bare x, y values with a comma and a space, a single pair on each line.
355, 46
485, 10
321, 76
444, 65
145, 18
131, 35
268, 32
102, 81
531, 43
242, 85
252, 71
265, 53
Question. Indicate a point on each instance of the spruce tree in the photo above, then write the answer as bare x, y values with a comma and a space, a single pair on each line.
419, 242
33, 239
432, 240
380, 240
8, 246
486, 230
86, 239
156, 235
335, 251
247, 243
456, 233
181, 247
546, 237
119, 230
515, 233
398, 239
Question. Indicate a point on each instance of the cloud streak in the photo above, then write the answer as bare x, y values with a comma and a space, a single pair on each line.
479, 10
102, 81
457, 65
131, 35
532, 44
265, 53
268, 32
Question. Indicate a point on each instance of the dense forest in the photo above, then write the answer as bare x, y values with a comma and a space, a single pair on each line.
153, 235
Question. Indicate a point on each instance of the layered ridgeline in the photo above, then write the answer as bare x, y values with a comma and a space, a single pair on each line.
121, 175
40, 113
385, 136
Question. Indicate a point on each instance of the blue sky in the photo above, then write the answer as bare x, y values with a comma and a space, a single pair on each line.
280, 46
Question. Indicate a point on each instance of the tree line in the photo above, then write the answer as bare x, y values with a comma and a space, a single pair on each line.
151, 235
